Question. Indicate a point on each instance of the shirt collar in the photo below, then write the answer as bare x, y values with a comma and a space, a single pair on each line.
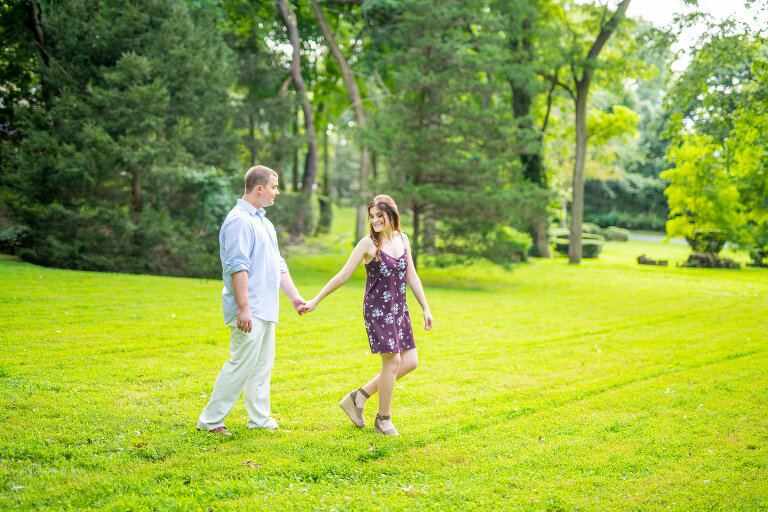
250, 208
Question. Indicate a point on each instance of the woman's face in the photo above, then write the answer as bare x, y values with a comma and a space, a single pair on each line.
379, 220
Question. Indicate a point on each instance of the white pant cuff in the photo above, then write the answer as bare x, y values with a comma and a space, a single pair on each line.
268, 423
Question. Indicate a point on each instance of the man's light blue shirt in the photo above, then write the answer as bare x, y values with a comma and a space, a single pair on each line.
248, 243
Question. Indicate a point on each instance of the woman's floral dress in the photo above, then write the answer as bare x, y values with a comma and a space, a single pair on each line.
384, 309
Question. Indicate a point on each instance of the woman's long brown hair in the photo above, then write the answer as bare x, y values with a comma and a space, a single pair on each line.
387, 206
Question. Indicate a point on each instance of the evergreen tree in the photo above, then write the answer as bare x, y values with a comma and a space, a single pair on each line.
446, 132
119, 170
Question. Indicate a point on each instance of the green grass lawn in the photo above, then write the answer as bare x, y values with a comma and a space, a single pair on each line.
603, 386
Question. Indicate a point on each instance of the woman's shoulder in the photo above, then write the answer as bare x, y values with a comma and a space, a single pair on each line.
366, 243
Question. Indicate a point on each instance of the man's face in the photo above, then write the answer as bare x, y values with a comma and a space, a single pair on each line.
270, 192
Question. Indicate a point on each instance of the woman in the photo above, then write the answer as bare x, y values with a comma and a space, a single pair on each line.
384, 309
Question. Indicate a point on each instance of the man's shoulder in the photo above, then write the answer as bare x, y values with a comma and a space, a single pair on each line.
236, 216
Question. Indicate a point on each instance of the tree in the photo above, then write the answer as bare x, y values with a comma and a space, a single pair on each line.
126, 158
357, 105
310, 169
446, 136
748, 147
715, 132
523, 20
703, 200
582, 66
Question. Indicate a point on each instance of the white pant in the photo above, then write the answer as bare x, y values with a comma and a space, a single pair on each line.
248, 370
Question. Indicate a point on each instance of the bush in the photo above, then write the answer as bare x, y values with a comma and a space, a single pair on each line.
616, 234
590, 236
561, 245
12, 238
588, 227
759, 250
590, 247
507, 245
555, 232
106, 238
283, 212
627, 220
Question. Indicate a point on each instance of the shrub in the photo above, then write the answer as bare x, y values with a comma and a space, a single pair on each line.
283, 212
627, 220
588, 227
616, 234
106, 238
561, 245
507, 245
555, 232
591, 236
590, 247
12, 238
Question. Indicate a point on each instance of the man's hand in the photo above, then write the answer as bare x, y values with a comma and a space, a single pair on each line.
297, 302
244, 320
308, 306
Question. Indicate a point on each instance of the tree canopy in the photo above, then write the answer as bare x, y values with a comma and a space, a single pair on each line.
126, 128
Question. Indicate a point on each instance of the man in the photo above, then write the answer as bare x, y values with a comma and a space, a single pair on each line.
253, 272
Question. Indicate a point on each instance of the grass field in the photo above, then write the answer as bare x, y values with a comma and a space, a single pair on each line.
604, 386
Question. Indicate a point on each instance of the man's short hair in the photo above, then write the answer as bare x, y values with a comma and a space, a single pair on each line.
257, 175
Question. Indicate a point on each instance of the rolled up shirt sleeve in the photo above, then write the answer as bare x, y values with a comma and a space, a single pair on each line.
238, 242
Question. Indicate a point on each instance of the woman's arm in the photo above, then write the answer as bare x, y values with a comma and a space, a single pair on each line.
412, 278
362, 248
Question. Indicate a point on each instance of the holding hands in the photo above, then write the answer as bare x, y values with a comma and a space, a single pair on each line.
307, 306
297, 303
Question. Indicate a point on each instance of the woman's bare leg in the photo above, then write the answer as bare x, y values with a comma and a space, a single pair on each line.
409, 360
390, 365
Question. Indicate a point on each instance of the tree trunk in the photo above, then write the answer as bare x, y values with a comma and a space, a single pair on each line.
373, 166
582, 90
577, 201
295, 153
310, 170
36, 27
530, 158
252, 138
136, 192
357, 105
430, 230
281, 157
326, 169
415, 248
283, 146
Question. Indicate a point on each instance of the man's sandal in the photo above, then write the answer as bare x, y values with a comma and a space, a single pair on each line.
355, 413
376, 428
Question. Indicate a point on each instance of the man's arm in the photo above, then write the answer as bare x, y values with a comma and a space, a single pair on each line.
240, 290
289, 289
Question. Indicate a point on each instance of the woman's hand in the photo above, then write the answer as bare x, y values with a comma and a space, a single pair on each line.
307, 306
428, 321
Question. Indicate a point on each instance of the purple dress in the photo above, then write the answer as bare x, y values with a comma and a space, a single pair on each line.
384, 309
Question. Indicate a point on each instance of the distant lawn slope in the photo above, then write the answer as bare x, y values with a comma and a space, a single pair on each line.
603, 386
